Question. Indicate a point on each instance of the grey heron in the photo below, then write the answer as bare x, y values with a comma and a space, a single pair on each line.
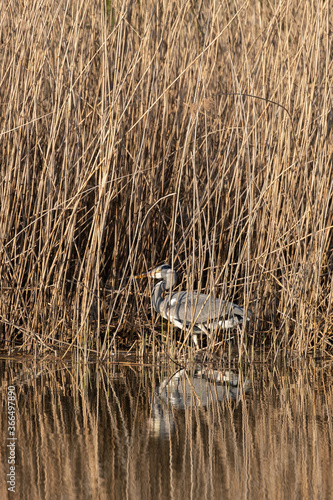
197, 312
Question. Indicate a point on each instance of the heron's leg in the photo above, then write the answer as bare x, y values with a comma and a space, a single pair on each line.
203, 329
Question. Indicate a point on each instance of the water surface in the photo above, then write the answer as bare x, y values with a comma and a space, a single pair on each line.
124, 431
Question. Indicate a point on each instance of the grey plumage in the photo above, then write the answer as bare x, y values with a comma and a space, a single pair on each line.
192, 310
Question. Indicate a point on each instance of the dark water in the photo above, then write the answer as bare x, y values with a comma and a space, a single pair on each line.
140, 432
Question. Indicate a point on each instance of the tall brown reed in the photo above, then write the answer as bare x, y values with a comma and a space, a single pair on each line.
133, 133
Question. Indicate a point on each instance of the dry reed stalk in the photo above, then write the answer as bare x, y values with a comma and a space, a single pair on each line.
131, 134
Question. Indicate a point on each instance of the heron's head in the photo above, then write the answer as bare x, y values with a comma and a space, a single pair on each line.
164, 272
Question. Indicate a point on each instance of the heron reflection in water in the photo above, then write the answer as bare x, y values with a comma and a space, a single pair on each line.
197, 312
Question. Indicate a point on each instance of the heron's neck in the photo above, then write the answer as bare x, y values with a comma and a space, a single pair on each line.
156, 295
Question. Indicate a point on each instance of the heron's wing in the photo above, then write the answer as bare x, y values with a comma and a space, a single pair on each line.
201, 309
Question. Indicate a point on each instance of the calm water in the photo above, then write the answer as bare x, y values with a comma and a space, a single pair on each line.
140, 432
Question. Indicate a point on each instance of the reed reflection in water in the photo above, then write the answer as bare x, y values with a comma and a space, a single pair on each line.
132, 431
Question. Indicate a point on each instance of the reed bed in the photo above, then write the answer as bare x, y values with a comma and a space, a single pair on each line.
135, 133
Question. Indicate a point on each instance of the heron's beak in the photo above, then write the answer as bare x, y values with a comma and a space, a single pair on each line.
141, 276
155, 273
